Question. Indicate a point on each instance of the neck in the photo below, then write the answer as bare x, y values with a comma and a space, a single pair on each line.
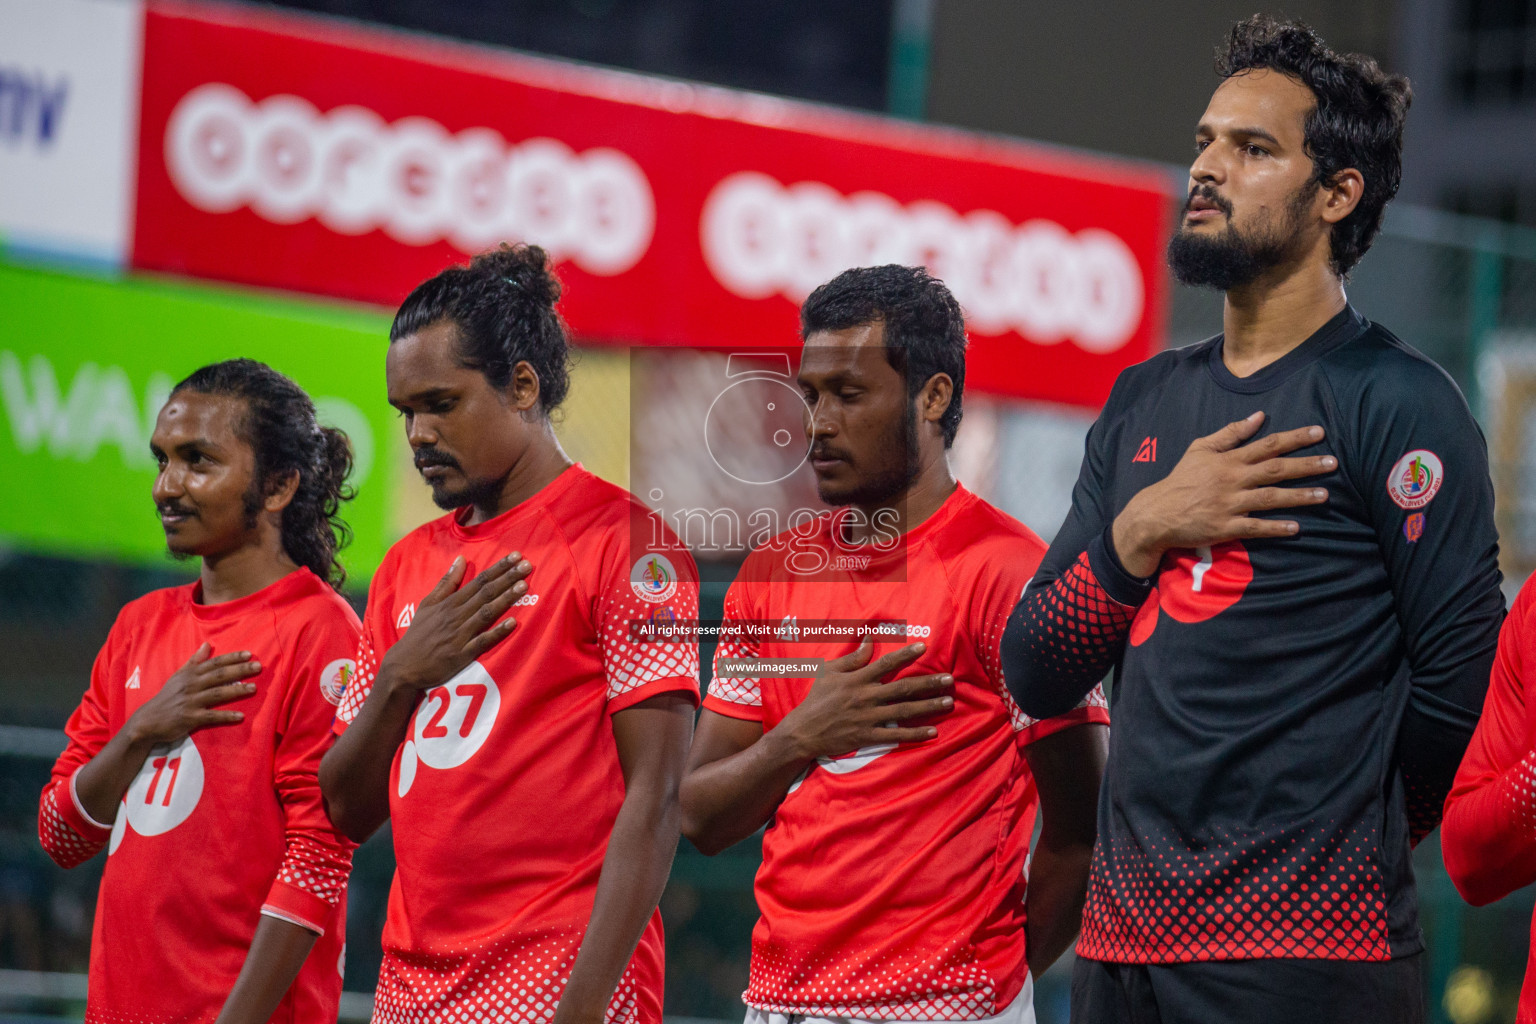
543, 460
908, 510
1268, 317
245, 570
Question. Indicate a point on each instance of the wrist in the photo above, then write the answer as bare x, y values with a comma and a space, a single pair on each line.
396, 687
786, 747
1131, 547
138, 738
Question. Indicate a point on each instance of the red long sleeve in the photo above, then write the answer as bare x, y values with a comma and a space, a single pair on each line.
1489, 833
317, 858
67, 833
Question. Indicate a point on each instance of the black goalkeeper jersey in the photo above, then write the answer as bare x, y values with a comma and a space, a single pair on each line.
1288, 713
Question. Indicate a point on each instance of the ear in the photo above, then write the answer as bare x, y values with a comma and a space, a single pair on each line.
933, 400
523, 389
1342, 195
281, 491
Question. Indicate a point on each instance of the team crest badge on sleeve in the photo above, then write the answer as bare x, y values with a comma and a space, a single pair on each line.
335, 677
653, 578
1416, 479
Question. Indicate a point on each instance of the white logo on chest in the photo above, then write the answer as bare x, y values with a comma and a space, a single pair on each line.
451, 724
163, 794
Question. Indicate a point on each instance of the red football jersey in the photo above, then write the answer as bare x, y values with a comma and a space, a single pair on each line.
893, 879
504, 794
1488, 837
222, 827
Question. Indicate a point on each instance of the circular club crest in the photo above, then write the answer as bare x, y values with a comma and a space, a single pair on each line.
335, 677
1416, 479
653, 578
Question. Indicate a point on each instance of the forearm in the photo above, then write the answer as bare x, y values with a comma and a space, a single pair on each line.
277, 953
1063, 638
726, 801
634, 874
354, 774
1489, 835
101, 783
1058, 887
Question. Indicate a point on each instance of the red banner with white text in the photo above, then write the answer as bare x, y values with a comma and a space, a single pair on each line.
296, 153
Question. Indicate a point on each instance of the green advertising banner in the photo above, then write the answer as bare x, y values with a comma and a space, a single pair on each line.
85, 365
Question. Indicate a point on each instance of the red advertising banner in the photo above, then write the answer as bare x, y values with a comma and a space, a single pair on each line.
293, 153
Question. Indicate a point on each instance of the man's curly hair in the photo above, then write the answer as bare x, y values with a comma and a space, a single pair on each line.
1358, 120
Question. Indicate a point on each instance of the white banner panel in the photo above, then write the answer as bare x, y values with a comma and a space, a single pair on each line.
69, 115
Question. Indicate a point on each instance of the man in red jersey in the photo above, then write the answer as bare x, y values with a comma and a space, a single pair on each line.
193, 756
1488, 837
900, 785
532, 783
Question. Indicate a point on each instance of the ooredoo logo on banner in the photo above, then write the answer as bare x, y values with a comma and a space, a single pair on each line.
290, 153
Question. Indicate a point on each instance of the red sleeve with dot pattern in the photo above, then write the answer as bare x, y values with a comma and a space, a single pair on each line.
317, 858
659, 588
69, 835
991, 589
378, 616
732, 695
1488, 837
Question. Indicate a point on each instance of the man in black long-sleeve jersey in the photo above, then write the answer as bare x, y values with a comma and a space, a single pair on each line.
1282, 539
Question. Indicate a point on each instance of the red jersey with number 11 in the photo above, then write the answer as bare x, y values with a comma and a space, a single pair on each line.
504, 794
222, 827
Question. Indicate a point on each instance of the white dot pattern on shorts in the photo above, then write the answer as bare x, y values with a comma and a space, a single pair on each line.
67, 847
943, 985
512, 980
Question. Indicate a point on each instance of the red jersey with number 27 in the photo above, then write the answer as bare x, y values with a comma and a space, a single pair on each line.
504, 794
893, 882
222, 827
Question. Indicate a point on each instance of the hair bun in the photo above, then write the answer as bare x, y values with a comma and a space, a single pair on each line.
525, 268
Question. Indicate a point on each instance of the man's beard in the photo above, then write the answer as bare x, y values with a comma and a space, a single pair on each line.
886, 485
482, 493
1231, 259
474, 492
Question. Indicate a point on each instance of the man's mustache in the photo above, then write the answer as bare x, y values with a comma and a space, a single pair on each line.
429, 456
170, 508
1209, 194
822, 452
